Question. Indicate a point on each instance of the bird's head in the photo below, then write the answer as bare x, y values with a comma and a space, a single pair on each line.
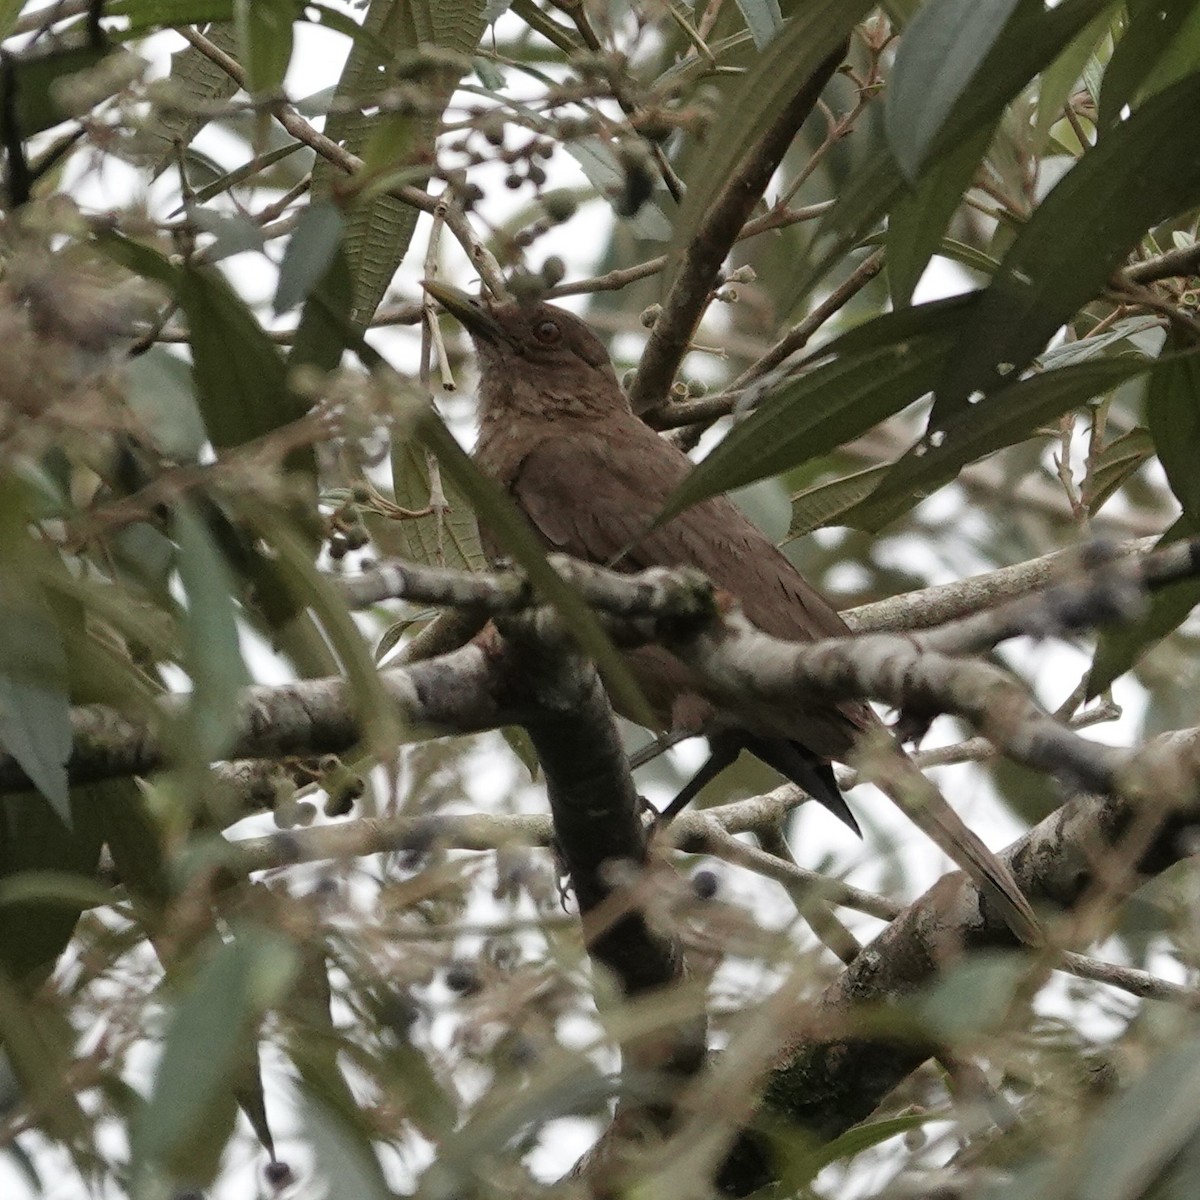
532, 345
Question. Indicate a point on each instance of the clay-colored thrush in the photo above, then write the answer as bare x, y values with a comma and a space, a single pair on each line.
557, 432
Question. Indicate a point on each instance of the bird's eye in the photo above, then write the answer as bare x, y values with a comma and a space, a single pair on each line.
547, 332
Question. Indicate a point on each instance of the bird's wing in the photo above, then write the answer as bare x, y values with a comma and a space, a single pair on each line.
594, 496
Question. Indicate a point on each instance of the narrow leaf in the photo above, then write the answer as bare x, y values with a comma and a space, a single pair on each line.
146, 14
36, 81
1060, 78
197, 81
264, 31
35, 705
380, 228
917, 222
939, 55
34, 842
1033, 36
212, 654
1148, 57
207, 1036
1115, 463
447, 538
1007, 416
762, 18
1141, 1129
1142, 173
865, 197
1173, 415
308, 588
1118, 648
877, 369
245, 394
310, 251
162, 394
346, 1159
823, 503
320, 338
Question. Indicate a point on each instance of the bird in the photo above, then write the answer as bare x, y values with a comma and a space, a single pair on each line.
557, 432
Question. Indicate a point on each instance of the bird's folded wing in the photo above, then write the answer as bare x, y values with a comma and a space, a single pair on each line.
584, 498
595, 498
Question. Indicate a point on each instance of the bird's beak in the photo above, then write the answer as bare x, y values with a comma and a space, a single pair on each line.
471, 312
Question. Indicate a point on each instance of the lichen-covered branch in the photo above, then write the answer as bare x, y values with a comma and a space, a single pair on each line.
825, 1082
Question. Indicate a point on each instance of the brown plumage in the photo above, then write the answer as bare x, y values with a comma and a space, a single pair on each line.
557, 432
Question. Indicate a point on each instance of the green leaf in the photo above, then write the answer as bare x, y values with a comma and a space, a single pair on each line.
1008, 415
1096, 345
1140, 1131
212, 655
1160, 45
972, 997
34, 841
35, 705
135, 843
938, 57
149, 14
345, 1157
243, 395
380, 228
1140, 174
762, 18
449, 538
813, 33
307, 587
205, 1051
918, 220
1033, 36
264, 32
1118, 648
877, 369
38, 1045
1116, 462
823, 503
224, 181
864, 198
54, 888
604, 172
1060, 78
37, 78
320, 338
162, 394
10, 10
802, 1160
1173, 415
199, 85
1030, 39
310, 253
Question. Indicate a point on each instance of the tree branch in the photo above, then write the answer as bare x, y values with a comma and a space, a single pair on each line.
685, 302
828, 1079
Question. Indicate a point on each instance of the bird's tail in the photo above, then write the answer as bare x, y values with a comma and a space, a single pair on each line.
789, 758
903, 782
804, 769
